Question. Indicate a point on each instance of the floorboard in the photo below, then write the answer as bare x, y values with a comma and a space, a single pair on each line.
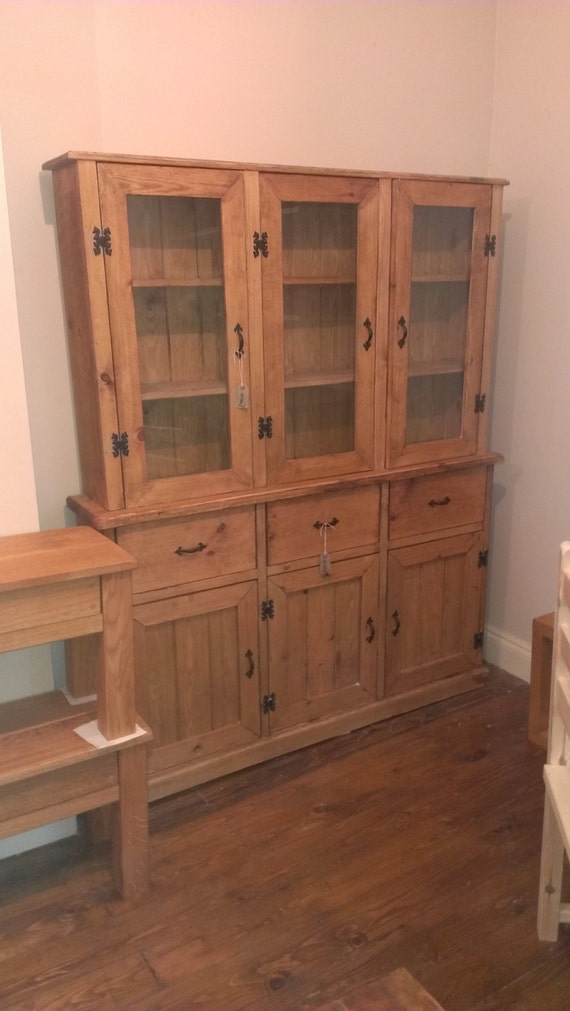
414, 843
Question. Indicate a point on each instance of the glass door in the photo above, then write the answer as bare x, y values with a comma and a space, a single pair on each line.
437, 319
319, 311
177, 297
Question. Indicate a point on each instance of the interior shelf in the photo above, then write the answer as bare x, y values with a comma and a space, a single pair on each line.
319, 379
444, 368
335, 279
172, 391
179, 282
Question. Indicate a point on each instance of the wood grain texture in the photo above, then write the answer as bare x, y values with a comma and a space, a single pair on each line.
412, 844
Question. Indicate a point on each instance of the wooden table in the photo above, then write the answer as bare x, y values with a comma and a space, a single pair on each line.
59, 759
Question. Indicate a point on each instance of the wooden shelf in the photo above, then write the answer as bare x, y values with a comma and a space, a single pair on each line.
341, 279
44, 744
177, 390
436, 369
179, 282
441, 278
319, 379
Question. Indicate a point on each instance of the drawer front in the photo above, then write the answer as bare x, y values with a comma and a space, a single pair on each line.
177, 551
294, 528
424, 504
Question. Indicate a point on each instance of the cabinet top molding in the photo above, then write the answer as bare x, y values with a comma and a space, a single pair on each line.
132, 159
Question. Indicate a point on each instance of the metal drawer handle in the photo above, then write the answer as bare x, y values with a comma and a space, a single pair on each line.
190, 551
439, 501
332, 523
396, 618
368, 326
372, 632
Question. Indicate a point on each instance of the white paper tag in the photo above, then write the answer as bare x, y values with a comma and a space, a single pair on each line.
242, 399
325, 565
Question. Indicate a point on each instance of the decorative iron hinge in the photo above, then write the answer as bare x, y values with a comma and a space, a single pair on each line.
102, 241
120, 442
260, 244
265, 427
480, 403
483, 559
268, 703
267, 610
490, 245
478, 640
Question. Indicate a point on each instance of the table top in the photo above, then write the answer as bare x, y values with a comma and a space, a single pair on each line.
53, 556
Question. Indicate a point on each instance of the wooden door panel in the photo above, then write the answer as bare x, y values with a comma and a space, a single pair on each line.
322, 641
197, 672
433, 608
177, 291
437, 318
319, 309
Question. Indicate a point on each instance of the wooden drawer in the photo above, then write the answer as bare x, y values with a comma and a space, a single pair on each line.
423, 504
177, 551
294, 527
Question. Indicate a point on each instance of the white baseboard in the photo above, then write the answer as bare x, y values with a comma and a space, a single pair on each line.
508, 653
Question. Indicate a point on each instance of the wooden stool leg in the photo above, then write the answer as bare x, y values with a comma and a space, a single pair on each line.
551, 868
130, 823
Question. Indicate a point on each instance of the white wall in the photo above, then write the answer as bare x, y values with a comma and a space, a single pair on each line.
531, 400
23, 672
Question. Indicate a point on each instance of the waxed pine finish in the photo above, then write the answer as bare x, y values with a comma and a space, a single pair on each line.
282, 380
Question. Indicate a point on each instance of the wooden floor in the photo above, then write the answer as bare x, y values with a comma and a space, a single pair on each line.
414, 844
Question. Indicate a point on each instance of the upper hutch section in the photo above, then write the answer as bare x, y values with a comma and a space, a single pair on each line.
235, 327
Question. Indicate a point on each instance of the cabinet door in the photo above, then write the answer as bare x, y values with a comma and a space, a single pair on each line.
178, 312
319, 316
433, 611
197, 677
437, 318
323, 641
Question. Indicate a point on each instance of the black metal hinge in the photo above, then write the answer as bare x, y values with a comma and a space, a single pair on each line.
478, 640
265, 427
267, 610
483, 559
268, 703
120, 443
260, 244
102, 241
490, 245
480, 403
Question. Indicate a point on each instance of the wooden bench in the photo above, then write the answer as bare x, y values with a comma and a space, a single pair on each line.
58, 759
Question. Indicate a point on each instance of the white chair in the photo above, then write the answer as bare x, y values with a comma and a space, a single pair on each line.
556, 830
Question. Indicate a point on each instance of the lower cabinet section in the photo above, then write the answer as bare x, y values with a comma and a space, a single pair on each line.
323, 641
268, 627
196, 658
433, 611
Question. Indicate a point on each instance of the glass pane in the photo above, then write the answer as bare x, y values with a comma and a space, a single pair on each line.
319, 420
319, 305
437, 338
179, 304
186, 435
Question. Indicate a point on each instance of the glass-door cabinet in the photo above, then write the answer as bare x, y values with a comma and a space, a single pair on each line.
319, 253
178, 319
439, 269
